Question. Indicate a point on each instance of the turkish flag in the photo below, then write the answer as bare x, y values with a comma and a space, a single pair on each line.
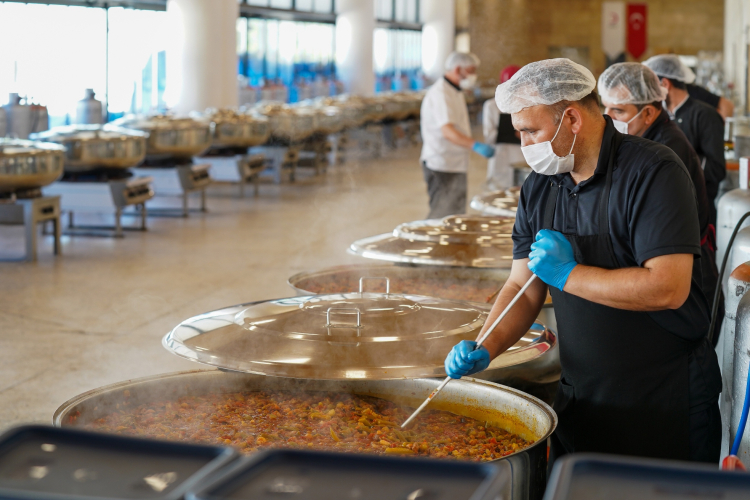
636, 16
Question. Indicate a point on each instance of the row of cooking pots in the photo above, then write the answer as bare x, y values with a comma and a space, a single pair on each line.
381, 330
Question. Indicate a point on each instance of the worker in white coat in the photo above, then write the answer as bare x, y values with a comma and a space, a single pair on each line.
498, 130
446, 136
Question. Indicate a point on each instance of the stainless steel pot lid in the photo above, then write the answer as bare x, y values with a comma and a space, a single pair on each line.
85, 133
150, 123
373, 336
500, 203
454, 241
462, 229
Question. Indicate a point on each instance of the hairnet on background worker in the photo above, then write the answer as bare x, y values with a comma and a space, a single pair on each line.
609, 224
670, 66
544, 82
630, 83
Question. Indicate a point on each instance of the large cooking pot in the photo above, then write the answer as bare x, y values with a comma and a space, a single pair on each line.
170, 135
88, 147
504, 407
289, 123
29, 164
457, 283
238, 129
456, 240
501, 203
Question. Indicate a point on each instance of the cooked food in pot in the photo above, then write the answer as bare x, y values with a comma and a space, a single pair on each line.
319, 420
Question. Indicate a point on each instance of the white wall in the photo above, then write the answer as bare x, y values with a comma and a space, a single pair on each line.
202, 55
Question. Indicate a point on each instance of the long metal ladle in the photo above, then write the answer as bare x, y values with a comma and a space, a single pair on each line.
479, 344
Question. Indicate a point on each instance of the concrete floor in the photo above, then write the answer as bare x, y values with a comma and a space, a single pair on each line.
96, 314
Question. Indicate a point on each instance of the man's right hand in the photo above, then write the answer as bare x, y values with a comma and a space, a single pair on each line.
465, 359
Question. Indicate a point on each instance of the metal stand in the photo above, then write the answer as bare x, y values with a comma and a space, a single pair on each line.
281, 158
237, 169
188, 179
314, 154
31, 212
99, 197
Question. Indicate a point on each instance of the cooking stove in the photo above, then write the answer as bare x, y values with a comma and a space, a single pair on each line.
176, 177
100, 191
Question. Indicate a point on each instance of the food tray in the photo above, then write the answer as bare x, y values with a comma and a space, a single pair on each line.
46, 463
592, 476
325, 476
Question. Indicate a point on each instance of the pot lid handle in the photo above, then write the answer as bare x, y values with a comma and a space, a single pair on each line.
330, 325
364, 278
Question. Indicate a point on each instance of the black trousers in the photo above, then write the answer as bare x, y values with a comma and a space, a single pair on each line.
447, 192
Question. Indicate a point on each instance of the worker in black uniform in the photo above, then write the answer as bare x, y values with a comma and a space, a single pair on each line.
701, 123
609, 224
632, 97
723, 106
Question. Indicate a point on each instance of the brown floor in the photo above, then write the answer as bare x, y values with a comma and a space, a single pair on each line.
96, 314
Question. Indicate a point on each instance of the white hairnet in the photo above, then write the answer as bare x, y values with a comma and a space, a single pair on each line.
461, 60
670, 66
630, 83
544, 82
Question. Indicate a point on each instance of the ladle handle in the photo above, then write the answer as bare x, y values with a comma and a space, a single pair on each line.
479, 344
364, 278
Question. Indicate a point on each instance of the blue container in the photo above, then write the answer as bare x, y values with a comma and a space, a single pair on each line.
306, 475
47, 463
593, 476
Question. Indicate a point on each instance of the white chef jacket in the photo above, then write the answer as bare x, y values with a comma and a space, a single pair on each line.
499, 171
444, 104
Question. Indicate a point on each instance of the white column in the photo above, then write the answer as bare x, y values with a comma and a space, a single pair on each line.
438, 35
202, 56
355, 25
736, 39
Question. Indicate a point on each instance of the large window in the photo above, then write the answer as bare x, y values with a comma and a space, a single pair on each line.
294, 56
397, 45
52, 53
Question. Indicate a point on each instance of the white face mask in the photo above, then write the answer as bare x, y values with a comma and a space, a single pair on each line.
543, 160
621, 126
468, 82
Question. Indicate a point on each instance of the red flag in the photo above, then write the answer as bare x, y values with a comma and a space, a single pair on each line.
637, 13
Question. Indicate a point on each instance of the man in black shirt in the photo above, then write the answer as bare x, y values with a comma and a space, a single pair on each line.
724, 106
609, 224
631, 94
702, 124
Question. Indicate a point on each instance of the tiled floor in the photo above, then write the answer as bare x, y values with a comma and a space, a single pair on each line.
96, 314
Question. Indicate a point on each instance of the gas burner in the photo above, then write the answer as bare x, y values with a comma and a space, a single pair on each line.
7, 198
28, 194
97, 175
167, 161
225, 152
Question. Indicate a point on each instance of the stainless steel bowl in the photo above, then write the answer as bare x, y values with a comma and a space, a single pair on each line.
504, 407
238, 128
29, 164
88, 147
293, 124
171, 136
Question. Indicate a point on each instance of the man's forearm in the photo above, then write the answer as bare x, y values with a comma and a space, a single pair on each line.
632, 288
456, 137
518, 320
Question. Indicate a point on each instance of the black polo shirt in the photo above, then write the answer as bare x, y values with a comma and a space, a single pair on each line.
704, 129
702, 94
665, 131
652, 212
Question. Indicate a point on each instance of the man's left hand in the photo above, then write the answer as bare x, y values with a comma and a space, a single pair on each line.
551, 258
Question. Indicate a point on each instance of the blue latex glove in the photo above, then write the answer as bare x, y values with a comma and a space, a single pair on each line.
483, 149
551, 258
464, 360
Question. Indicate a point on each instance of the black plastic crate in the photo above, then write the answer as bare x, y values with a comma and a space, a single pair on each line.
306, 475
593, 476
47, 463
